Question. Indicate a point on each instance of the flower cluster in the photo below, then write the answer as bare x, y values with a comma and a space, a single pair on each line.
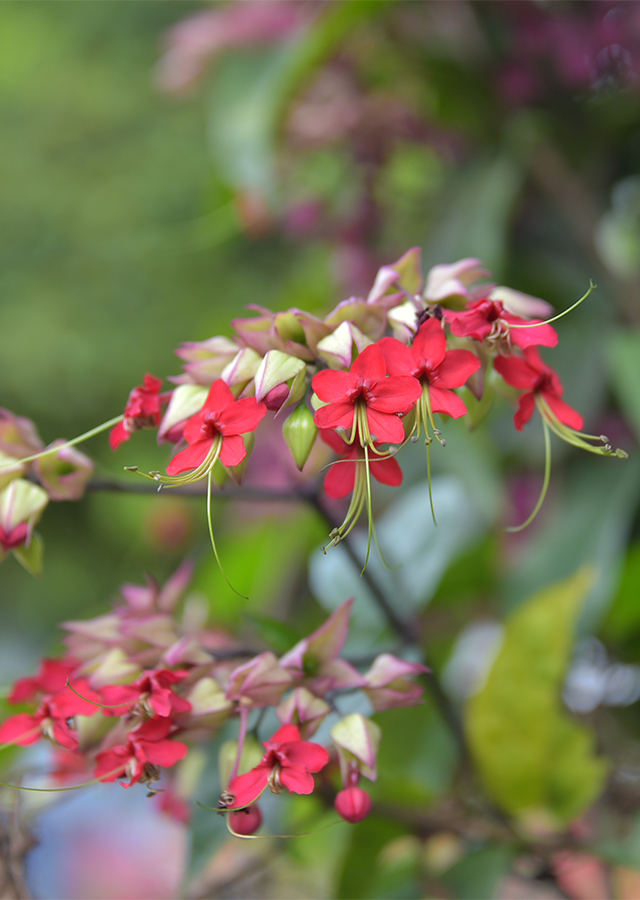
31, 475
138, 686
371, 375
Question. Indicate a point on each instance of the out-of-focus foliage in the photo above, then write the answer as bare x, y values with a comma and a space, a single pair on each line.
297, 161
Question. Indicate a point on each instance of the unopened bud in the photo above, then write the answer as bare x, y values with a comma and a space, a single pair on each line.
353, 804
246, 821
299, 432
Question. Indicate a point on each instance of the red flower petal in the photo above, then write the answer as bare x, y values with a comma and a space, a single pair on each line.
526, 405
516, 372
541, 335
189, 458
285, 734
430, 344
304, 753
386, 428
370, 365
334, 440
22, 729
331, 385
335, 415
219, 397
241, 417
110, 764
233, 450
395, 394
297, 780
563, 411
118, 435
163, 753
341, 478
398, 357
456, 367
386, 471
247, 788
446, 402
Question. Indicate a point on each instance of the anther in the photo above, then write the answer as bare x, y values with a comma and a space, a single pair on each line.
131, 468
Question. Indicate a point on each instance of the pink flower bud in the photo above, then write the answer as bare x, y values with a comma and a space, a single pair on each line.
353, 804
246, 821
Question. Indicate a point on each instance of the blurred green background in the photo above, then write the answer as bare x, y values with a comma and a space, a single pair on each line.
137, 215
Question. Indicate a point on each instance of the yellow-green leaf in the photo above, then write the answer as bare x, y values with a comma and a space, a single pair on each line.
533, 759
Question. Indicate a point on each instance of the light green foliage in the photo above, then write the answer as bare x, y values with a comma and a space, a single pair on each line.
623, 358
476, 875
532, 758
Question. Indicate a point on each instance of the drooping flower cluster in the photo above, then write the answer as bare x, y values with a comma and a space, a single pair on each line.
138, 686
27, 485
375, 372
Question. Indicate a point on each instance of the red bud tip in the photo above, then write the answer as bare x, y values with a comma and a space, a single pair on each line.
246, 821
353, 804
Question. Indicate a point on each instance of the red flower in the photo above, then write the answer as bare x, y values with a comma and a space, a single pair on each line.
216, 431
153, 689
143, 410
51, 678
540, 382
288, 763
146, 747
341, 478
52, 718
364, 400
487, 320
437, 368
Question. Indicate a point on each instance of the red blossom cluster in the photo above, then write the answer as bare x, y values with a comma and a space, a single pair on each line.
138, 687
375, 372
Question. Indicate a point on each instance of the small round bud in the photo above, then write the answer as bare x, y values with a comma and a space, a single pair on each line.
353, 804
245, 821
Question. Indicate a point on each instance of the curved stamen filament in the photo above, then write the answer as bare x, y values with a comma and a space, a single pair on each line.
545, 483
592, 287
573, 437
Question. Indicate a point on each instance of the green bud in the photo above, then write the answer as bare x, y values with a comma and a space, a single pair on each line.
299, 431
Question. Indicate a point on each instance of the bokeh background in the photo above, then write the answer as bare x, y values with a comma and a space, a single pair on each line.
165, 164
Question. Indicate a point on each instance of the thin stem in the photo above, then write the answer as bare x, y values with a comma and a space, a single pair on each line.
545, 485
78, 440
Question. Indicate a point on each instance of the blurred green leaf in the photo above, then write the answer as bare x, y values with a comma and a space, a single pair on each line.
361, 872
251, 90
280, 636
476, 218
532, 757
476, 876
623, 358
622, 851
417, 757
260, 560
624, 616
590, 525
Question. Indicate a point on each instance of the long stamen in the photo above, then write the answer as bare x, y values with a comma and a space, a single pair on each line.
213, 540
577, 438
592, 287
545, 484
77, 440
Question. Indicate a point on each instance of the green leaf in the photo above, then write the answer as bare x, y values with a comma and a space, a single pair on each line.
251, 91
417, 757
361, 866
532, 758
476, 876
624, 616
591, 526
278, 635
623, 358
